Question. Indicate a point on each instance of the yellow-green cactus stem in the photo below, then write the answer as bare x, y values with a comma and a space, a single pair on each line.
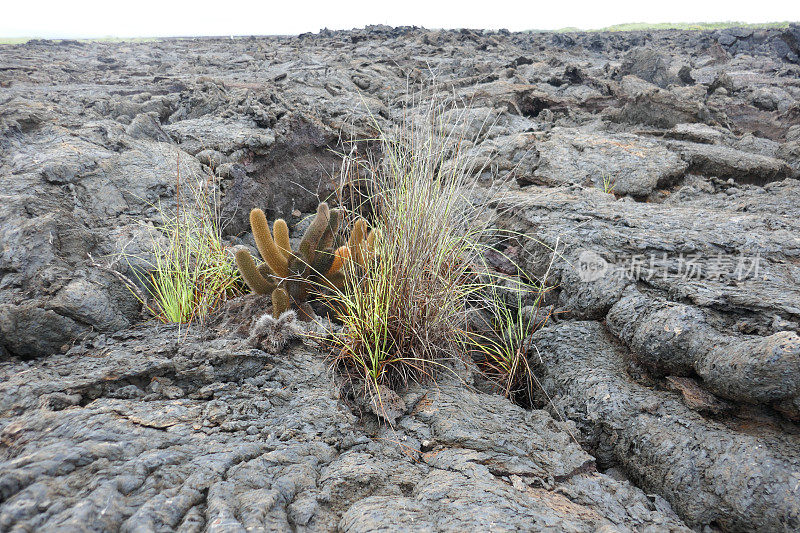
252, 276
373, 238
280, 302
281, 232
310, 242
266, 246
356, 242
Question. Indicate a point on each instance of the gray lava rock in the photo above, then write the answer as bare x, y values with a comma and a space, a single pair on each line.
749, 479
790, 152
145, 126
634, 165
29, 330
223, 135
678, 339
293, 175
698, 133
260, 441
661, 108
727, 162
730, 255
647, 64
134, 429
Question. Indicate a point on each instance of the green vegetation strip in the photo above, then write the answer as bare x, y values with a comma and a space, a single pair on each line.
687, 26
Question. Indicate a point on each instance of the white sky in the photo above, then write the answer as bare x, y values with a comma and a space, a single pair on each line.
154, 18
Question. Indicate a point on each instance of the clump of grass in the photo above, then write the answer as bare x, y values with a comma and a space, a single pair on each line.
404, 311
504, 341
608, 184
506, 347
189, 271
407, 308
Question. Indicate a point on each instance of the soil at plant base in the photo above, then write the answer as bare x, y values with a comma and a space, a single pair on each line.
670, 370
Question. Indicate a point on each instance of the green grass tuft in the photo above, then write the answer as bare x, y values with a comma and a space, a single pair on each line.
685, 26
406, 311
608, 184
190, 271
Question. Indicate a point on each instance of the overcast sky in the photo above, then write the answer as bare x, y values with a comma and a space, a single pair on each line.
159, 18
